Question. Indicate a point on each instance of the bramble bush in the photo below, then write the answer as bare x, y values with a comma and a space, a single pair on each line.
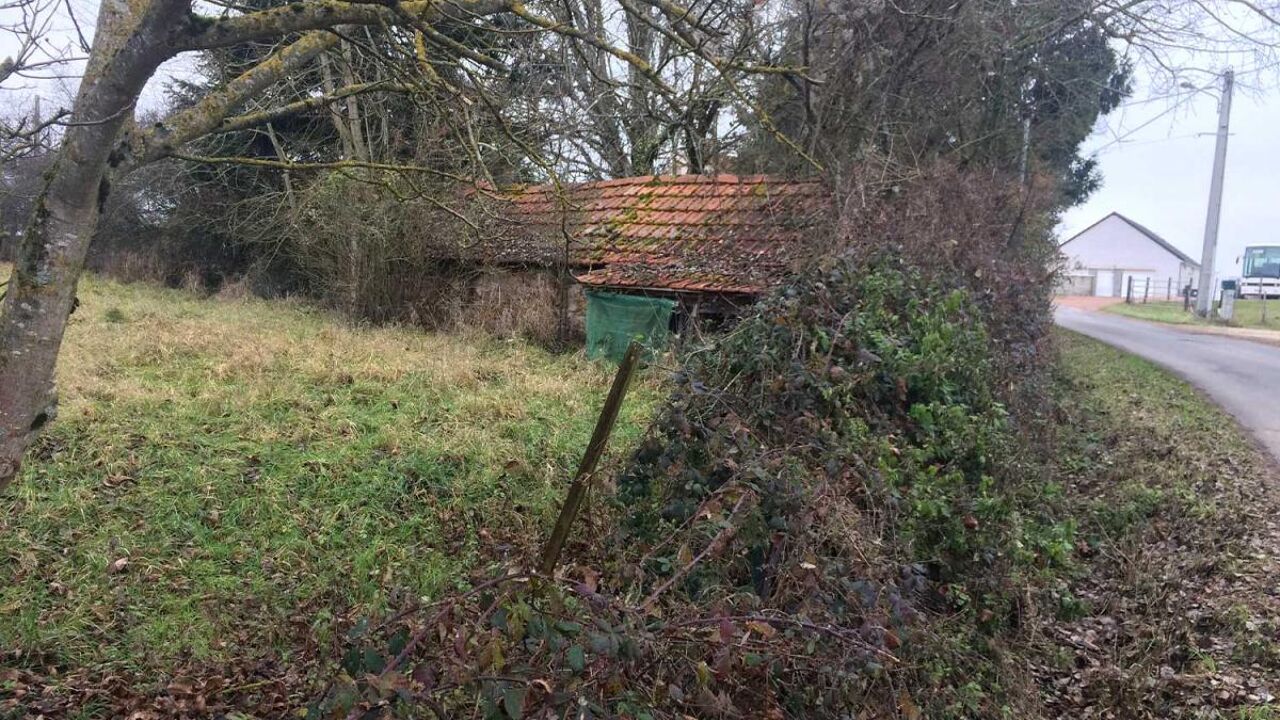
834, 504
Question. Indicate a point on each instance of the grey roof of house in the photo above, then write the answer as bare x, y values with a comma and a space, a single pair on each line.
1152, 236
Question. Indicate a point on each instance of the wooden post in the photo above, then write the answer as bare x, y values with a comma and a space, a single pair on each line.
1146, 290
1128, 293
595, 449
1168, 291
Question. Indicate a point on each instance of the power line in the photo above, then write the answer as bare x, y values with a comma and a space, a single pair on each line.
1158, 98
1121, 138
1184, 96
1259, 69
1171, 138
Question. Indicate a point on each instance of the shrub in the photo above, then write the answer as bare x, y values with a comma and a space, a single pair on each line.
834, 495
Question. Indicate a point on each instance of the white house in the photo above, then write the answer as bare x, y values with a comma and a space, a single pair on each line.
1101, 258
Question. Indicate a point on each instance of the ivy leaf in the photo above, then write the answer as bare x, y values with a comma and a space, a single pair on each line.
496, 657
569, 628
499, 619
358, 629
577, 658
398, 641
373, 662
353, 661
513, 702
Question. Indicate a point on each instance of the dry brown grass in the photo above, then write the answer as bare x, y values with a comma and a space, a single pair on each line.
271, 472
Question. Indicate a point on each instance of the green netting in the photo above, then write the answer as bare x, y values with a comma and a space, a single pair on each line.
613, 321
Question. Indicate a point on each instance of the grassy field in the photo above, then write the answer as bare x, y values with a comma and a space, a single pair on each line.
239, 479
1248, 313
232, 484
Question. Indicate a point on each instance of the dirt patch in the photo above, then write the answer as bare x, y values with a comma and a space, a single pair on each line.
1085, 302
1269, 337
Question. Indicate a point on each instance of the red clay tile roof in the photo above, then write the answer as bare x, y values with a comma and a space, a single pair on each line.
710, 233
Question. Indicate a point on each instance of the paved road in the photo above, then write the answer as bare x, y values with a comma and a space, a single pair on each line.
1242, 376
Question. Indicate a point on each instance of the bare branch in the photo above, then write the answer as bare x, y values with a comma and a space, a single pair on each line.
212, 110
205, 33
335, 165
248, 120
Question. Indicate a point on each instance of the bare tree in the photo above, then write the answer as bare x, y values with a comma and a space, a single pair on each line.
102, 141
643, 74
607, 121
27, 131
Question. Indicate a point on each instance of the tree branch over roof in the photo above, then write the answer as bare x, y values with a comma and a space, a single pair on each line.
206, 116
323, 23
205, 33
253, 119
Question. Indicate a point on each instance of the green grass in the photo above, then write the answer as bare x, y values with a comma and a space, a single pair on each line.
1155, 440
270, 474
1248, 313
1146, 447
1127, 391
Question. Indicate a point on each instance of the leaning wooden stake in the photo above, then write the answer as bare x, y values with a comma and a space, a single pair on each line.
595, 449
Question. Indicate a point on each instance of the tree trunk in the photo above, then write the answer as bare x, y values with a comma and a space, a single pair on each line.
288, 179
51, 255
340, 125
358, 145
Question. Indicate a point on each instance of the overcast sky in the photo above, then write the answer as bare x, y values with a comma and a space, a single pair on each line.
1159, 175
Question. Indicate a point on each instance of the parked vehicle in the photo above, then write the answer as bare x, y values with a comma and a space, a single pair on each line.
1260, 274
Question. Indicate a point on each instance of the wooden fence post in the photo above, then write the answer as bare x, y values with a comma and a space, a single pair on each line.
1128, 293
595, 449
1168, 291
1146, 290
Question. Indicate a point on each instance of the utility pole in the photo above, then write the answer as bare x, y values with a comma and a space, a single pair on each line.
1204, 298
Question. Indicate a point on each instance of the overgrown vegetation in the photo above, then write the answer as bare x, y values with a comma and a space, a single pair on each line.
1167, 611
870, 498
860, 407
837, 509
836, 514
233, 482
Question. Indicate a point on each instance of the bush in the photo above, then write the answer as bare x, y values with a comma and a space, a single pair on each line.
372, 248
834, 503
374, 256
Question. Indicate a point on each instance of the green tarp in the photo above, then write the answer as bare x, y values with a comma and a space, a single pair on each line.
614, 320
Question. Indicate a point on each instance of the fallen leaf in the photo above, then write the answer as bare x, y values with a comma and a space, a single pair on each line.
909, 709
891, 640
685, 555
590, 579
